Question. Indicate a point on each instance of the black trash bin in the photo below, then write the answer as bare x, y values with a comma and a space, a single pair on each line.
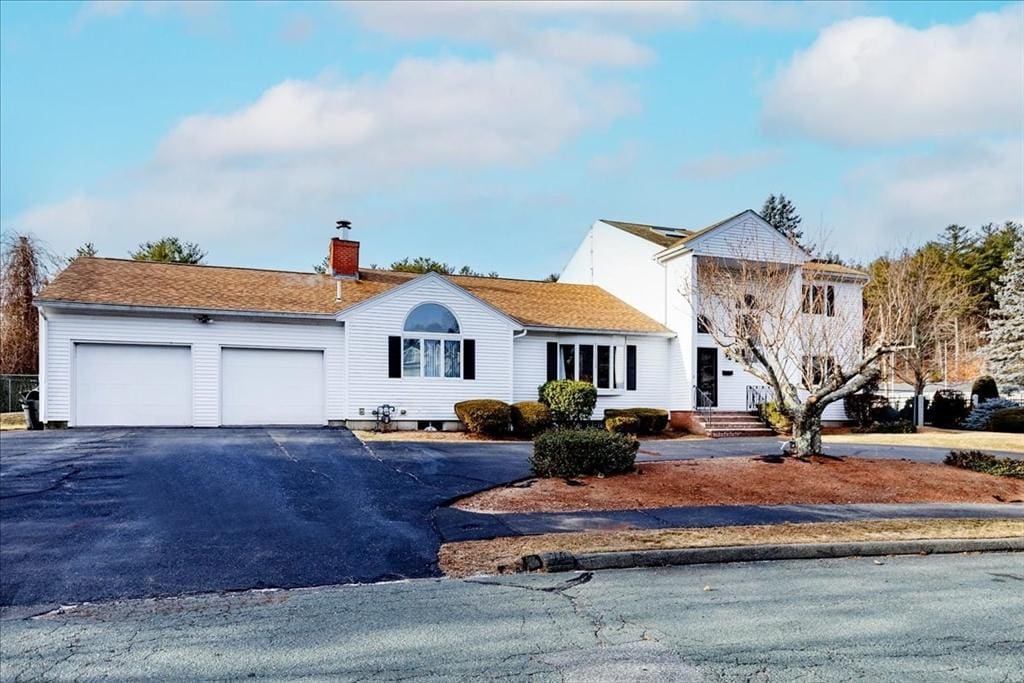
30, 404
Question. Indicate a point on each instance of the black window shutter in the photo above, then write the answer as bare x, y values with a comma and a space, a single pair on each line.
831, 302
468, 359
631, 367
552, 361
394, 356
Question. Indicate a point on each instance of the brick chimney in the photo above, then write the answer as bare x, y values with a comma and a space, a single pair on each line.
343, 255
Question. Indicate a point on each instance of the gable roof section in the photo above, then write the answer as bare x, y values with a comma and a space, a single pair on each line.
144, 284
834, 269
658, 234
690, 241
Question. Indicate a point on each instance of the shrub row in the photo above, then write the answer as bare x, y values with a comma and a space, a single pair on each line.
982, 415
893, 427
491, 417
988, 464
636, 420
1007, 420
581, 452
771, 413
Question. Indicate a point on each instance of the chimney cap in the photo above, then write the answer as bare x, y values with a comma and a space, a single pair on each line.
343, 225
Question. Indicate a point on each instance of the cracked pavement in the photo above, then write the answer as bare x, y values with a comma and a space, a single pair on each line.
951, 617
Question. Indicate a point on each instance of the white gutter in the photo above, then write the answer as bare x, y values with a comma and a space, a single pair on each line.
125, 308
576, 330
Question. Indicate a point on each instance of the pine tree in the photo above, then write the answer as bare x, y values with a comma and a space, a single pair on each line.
781, 214
1005, 350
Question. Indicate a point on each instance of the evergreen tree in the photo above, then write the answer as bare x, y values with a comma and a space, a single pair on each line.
170, 250
87, 249
781, 214
1005, 351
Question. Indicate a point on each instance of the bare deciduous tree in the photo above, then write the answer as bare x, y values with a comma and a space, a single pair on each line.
24, 265
791, 327
930, 302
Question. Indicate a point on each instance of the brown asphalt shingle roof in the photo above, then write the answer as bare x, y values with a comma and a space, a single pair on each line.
833, 268
174, 285
661, 235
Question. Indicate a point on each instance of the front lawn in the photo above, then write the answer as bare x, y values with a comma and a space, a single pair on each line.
12, 420
503, 555
940, 438
753, 481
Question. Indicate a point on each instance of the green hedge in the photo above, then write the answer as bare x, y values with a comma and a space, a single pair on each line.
530, 418
897, 427
484, 416
985, 463
948, 408
1007, 420
580, 452
571, 402
623, 424
649, 420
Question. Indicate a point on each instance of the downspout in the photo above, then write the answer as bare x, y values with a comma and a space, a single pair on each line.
512, 365
42, 365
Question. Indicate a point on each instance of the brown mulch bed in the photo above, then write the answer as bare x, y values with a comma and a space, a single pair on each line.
753, 481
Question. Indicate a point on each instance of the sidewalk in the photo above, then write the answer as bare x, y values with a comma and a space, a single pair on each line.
460, 525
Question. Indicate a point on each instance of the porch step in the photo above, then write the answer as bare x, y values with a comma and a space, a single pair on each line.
734, 423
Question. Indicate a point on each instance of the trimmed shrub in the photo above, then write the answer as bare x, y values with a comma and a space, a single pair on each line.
484, 416
649, 420
866, 409
981, 417
530, 418
773, 415
985, 388
580, 452
988, 464
895, 427
1007, 420
571, 403
948, 408
623, 424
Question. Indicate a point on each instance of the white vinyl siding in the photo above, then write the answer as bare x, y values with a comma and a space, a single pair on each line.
143, 385
652, 360
749, 236
425, 398
206, 341
272, 386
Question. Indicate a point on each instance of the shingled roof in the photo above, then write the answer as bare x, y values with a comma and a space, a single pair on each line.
661, 235
120, 282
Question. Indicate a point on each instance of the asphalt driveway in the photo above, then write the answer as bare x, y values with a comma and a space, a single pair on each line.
102, 514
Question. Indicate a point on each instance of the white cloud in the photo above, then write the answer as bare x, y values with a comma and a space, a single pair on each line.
871, 80
913, 198
717, 166
304, 148
583, 32
618, 161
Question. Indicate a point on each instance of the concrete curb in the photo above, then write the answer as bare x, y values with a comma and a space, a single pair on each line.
566, 561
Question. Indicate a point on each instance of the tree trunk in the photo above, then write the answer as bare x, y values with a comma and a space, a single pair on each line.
807, 433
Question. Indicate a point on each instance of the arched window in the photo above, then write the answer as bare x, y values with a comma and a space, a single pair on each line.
429, 345
433, 318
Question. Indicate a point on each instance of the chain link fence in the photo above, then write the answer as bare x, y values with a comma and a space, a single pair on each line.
11, 389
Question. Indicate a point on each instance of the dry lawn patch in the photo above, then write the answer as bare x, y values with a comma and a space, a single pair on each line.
753, 481
12, 421
939, 438
502, 555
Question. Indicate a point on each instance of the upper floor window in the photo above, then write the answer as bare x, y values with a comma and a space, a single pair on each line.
433, 318
428, 350
819, 300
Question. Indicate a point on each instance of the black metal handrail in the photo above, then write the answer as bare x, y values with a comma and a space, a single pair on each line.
702, 403
758, 396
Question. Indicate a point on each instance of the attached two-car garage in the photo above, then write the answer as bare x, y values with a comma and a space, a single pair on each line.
152, 385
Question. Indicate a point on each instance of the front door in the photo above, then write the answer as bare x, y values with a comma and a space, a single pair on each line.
707, 376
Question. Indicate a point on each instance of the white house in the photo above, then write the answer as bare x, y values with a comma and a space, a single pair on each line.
138, 343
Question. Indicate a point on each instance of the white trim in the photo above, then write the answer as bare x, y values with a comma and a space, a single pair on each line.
416, 282
80, 306
698, 237
583, 330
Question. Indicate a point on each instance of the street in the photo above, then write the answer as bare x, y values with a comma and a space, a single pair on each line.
908, 618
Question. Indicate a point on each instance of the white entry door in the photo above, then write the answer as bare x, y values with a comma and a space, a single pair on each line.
138, 385
272, 386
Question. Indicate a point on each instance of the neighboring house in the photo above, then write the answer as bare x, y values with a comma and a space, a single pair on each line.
140, 343
649, 266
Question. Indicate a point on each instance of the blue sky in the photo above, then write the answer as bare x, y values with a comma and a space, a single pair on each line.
494, 134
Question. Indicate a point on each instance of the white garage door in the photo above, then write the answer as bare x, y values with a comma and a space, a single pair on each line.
122, 384
272, 386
